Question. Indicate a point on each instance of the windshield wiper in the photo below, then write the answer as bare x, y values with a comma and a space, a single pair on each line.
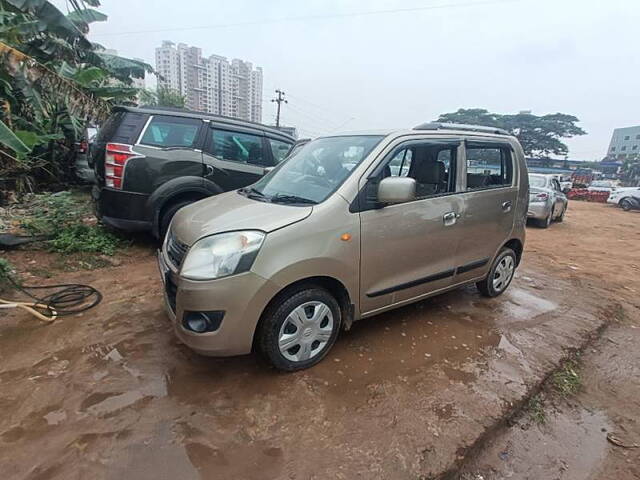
254, 194
280, 198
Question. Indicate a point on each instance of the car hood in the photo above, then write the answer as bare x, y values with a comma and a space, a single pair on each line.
232, 211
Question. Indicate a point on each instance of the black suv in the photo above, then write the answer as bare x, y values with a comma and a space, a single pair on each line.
150, 162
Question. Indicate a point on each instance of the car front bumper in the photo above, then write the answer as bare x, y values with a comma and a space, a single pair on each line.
613, 201
241, 297
538, 211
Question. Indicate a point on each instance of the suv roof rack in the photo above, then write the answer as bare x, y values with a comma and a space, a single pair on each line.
460, 126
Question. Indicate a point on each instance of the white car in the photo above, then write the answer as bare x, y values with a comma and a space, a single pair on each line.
602, 186
622, 194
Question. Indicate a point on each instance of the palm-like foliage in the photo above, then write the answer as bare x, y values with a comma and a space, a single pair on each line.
53, 82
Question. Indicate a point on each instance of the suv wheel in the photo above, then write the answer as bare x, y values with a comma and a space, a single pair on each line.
298, 330
167, 216
500, 275
626, 204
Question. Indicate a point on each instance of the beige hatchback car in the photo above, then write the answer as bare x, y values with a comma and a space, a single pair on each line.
347, 227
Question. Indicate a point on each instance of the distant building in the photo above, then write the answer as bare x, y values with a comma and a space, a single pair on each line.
625, 143
211, 84
289, 130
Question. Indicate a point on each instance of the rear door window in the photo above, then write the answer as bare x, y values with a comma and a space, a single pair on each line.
238, 147
488, 166
279, 149
166, 132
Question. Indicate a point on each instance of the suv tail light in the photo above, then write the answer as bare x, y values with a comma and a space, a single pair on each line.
115, 161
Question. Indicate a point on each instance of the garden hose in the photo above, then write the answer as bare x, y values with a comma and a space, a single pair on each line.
68, 299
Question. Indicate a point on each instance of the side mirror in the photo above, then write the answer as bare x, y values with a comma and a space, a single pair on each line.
396, 190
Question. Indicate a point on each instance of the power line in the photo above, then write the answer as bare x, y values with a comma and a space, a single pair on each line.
267, 21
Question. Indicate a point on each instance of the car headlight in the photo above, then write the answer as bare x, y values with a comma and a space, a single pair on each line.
222, 255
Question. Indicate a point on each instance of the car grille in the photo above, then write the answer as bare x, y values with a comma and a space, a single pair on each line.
176, 250
172, 292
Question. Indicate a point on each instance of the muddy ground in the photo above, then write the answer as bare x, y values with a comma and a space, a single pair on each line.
415, 393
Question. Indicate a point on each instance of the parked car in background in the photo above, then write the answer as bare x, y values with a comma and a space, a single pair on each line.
547, 202
150, 162
602, 186
342, 230
83, 164
627, 198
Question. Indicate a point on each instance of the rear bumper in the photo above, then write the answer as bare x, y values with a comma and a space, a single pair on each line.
122, 210
538, 211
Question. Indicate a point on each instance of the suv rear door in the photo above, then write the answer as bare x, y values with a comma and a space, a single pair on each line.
171, 146
235, 157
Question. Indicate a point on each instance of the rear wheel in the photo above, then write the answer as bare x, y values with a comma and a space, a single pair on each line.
500, 275
561, 217
298, 330
545, 222
626, 204
167, 216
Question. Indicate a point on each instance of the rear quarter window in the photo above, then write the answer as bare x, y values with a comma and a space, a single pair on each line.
168, 132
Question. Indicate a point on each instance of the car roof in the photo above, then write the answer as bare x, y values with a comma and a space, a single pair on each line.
414, 132
181, 112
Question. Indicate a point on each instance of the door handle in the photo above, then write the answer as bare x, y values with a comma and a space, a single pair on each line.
450, 218
506, 207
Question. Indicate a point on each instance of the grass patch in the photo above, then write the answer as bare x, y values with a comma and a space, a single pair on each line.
85, 238
67, 220
567, 381
5, 271
535, 409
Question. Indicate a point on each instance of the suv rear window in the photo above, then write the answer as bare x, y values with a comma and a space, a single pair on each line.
171, 132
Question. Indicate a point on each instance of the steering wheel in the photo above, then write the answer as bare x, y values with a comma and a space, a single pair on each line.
322, 181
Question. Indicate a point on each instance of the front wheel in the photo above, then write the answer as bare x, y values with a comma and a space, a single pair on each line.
298, 330
626, 204
500, 275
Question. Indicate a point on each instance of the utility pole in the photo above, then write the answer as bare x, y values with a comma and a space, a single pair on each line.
279, 100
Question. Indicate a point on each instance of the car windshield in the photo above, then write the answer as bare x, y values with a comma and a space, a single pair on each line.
315, 171
537, 181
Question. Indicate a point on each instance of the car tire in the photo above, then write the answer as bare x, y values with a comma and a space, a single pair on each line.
167, 216
500, 275
299, 329
560, 219
626, 204
546, 222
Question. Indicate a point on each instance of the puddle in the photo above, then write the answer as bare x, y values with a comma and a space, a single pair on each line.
523, 305
100, 404
55, 417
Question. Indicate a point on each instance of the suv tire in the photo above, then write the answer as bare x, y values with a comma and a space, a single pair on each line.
299, 328
500, 274
167, 216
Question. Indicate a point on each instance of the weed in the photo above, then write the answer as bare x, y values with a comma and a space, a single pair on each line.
84, 238
51, 212
567, 381
535, 408
5, 271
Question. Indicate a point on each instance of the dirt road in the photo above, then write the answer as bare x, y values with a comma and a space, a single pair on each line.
111, 394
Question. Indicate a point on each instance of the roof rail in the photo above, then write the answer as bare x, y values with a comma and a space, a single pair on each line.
460, 126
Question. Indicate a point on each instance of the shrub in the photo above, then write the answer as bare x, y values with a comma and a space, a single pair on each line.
85, 238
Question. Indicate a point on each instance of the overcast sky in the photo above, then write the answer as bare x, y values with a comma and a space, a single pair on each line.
403, 67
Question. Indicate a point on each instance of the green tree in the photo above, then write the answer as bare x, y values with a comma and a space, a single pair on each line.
540, 136
52, 82
162, 97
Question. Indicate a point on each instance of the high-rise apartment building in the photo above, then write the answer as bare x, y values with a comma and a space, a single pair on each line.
211, 84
